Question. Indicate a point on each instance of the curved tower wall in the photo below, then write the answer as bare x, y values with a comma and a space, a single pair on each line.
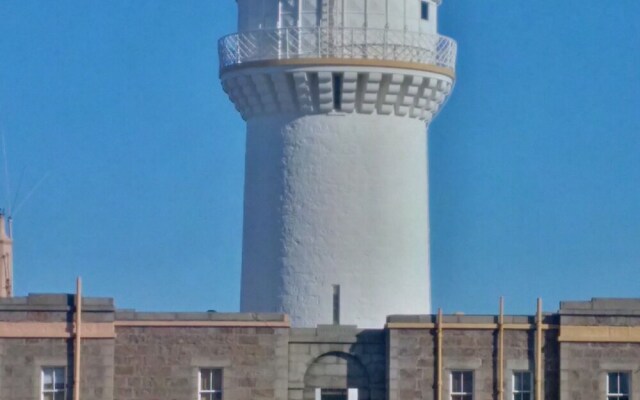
391, 14
327, 174
336, 191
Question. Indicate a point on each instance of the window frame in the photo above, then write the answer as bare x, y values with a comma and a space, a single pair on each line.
619, 394
514, 390
465, 391
351, 393
53, 389
212, 390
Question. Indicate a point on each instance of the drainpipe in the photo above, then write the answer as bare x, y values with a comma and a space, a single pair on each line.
78, 337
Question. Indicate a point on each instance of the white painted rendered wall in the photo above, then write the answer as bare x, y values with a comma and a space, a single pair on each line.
336, 199
336, 182
374, 14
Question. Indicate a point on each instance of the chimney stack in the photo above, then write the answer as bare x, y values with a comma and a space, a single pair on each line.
6, 257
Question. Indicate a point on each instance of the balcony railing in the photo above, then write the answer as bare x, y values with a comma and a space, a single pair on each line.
345, 43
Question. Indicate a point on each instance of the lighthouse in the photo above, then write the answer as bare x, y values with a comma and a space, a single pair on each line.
337, 96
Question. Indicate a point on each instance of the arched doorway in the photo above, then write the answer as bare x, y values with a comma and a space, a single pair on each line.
336, 376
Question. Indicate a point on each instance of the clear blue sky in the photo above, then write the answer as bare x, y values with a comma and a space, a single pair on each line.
534, 162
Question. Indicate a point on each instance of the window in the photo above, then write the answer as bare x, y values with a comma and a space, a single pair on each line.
337, 92
333, 394
336, 394
424, 10
618, 386
53, 383
461, 385
210, 385
522, 385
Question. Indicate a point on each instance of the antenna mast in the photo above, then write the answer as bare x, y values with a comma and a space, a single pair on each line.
6, 222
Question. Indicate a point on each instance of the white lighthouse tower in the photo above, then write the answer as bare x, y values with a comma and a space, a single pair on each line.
337, 95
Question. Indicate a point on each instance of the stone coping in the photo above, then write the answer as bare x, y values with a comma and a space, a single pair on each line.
46, 302
55, 302
129, 315
601, 306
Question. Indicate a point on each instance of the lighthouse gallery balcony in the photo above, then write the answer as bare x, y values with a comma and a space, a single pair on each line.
337, 44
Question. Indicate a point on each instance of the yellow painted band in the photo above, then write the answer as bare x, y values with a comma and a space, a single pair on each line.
600, 334
342, 62
466, 326
96, 330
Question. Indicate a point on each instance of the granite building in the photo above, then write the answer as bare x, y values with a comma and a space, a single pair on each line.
337, 96
586, 350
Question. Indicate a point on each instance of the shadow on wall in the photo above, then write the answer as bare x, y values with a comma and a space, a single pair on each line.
336, 370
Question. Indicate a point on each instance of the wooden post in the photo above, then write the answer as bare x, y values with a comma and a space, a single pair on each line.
501, 350
538, 360
78, 339
439, 339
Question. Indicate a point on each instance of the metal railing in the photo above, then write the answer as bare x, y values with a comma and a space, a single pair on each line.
346, 43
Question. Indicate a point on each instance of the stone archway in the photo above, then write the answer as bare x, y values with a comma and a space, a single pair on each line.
336, 370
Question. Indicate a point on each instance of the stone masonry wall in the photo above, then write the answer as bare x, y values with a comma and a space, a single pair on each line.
413, 361
162, 363
157, 356
337, 357
585, 365
22, 359
551, 365
412, 364
470, 350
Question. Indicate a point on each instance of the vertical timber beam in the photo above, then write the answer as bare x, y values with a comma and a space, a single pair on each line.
439, 339
78, 343
538, 377
501, 350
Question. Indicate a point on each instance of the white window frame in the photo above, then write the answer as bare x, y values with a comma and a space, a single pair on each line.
618, 394
515, 391
213, 390
53, 389
463, 393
